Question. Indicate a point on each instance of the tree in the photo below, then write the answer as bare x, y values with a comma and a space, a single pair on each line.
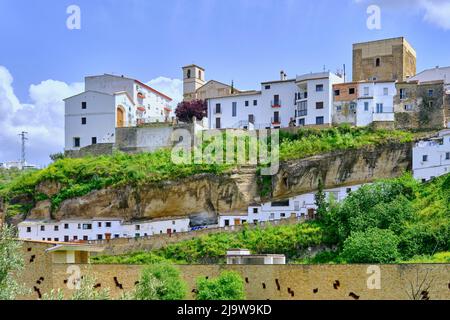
320, 200
11, 261
160, 282
371, 246
57, 156
186, 110
228, 286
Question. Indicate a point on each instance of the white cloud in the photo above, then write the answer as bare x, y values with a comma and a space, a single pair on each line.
171, 87
436, 12
43, 118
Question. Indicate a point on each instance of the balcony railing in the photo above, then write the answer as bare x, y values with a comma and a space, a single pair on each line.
302, 96
276, 120
275, 103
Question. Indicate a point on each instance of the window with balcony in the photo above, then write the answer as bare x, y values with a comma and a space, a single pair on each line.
302, 109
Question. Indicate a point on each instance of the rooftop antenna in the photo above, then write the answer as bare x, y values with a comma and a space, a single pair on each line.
23, 138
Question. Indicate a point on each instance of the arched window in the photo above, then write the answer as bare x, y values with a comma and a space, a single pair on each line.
189, 73
377, 62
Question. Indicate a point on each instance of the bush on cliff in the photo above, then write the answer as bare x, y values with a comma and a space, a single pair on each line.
227, 286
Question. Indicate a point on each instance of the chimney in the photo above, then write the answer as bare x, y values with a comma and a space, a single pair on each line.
282, 75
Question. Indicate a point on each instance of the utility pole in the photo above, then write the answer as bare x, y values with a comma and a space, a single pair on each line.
23, 138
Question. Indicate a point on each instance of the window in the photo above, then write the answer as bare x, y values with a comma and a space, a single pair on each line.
430, 92
351, 91
76, 142
267, 87
282, 215
337, 92
94, 140
87, 226
218, 108
116, 236
189, 73
255, 210
247, 103
218, 124
402, 93
276, 100
83, 105
386, 91
425, 158
366, 106
66, 238
302, 109
85, 238
447, 156
83, 120
56, 239
255, 102
137, 227
319, 120
28, 229
108, 224
99, 224
99, 237
56, 228
319, 105
42, 228
338, 108
377, 62
173, 222
379, 108
79, 226
352, 106
366, 91
226, 222
408, 107
301, 122
234, 109
66, 226
251, 118
319, 88
75, 238
348, 190
430, 104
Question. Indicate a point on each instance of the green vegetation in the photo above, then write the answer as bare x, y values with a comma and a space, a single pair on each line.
160, 282
309, 142
78, 177
397, 220
228, 286
11, 262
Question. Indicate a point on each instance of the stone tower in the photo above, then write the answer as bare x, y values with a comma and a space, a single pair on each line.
384, 60
193, 78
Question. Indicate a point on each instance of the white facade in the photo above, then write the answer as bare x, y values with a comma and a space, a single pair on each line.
17, 165
314, 98
108, 102
431, 158
97, 229
272, 107
300, 206
375, 102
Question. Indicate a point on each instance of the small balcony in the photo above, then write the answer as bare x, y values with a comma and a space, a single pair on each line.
276, 120
275, 103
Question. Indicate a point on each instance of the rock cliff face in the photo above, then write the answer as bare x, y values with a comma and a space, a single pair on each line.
207, 194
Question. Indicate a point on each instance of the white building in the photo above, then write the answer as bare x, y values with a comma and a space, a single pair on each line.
314, 98
431, 158
98, 229
108, 102
17, 165
434, 74
301, 206
375, 102
278, 104
243, 256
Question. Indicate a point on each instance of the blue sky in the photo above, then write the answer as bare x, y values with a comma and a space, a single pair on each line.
247, 41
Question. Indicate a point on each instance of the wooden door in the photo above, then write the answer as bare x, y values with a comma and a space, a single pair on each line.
120, 118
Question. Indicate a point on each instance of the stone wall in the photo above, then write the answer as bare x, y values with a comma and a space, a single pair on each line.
290, 282
92, 150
